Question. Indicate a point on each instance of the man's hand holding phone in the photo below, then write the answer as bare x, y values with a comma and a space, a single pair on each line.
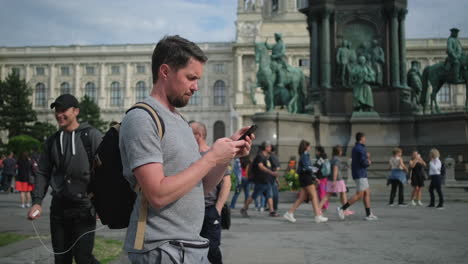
246, 134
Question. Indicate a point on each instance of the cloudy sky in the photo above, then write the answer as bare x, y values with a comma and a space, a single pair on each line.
65, 22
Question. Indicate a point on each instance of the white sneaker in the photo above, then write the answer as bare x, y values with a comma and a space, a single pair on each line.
262, 209
28, 205
289, 217
340, 213
371, 217
420, 203
22, 206
320, 219
413, 203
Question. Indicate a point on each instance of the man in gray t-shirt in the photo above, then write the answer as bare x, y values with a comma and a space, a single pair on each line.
214, 200
172, 175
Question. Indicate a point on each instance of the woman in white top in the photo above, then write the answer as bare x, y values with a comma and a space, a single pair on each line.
397, 177
435, 167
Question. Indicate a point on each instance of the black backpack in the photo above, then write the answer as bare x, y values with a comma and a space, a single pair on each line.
110, 192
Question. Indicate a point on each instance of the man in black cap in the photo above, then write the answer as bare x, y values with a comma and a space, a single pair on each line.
65, 166
454, 52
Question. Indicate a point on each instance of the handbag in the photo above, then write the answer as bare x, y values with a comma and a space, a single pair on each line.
225, 217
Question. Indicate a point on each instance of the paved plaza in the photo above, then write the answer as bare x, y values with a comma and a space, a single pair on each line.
401, 235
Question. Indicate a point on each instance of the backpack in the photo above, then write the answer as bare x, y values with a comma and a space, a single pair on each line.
110, 192
325, 170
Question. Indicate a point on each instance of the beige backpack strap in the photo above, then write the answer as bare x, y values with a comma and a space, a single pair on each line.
142, 216
143, 212
154, 116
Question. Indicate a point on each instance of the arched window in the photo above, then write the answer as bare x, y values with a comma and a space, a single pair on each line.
219, 93
141, 93
116, 94
219, 130
195, 99
90, 91
445, 96
40, 95
65, 88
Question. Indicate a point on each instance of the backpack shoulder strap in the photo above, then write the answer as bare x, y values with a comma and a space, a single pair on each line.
154, 115
84, 135
143, 211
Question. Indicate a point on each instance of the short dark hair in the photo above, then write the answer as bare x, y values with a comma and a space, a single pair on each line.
359, 136
336, 150
176, 52
321, 152
303, 146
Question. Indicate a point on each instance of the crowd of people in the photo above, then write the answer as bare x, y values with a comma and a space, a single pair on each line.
184, 182
415, 174
18, 175
320, 178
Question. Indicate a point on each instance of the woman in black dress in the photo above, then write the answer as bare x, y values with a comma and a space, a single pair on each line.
417, 166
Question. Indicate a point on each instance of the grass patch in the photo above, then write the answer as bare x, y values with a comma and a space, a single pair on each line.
107, 250
8, 238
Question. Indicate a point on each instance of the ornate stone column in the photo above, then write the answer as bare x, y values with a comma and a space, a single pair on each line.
128, 101
314, 55
402, 31
52, 93
395, 54
27, 73
76, 85
101, 94
2, 72
240, 80
325, 49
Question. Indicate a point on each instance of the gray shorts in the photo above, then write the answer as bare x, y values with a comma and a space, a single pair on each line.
171, 253
362, 184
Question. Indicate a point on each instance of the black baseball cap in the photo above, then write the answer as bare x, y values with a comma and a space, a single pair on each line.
65, 101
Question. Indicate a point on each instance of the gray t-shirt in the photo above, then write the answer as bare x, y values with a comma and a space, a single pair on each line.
335, 162
140, 145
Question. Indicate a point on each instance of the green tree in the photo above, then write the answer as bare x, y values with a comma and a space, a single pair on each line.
42, 130
16, 111
22, 143
91, 113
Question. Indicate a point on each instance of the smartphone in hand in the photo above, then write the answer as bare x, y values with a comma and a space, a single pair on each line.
248, 132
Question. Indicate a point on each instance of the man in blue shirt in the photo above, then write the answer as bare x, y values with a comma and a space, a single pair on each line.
360, 162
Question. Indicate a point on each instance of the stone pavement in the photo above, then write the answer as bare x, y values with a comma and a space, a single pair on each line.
401, 235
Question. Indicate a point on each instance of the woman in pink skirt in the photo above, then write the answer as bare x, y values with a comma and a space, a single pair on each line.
335, 182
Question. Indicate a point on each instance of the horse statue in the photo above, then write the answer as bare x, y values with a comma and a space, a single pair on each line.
291, 94
437, 75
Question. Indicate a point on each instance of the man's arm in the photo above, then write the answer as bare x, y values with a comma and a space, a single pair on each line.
217, 173
363, 158
262, 167
42, 180
43, 174
214, 177
223, 193
161, 191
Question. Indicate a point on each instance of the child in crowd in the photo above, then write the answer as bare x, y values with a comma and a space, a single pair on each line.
335, 182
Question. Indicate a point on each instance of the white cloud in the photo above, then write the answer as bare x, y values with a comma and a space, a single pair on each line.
65, 22
110, 22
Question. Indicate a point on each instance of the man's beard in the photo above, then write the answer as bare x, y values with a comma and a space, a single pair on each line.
178, 101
